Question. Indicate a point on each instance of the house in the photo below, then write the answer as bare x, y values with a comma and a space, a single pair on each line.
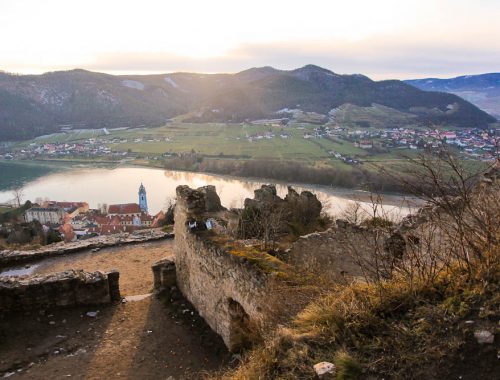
365, 144
158, 219
71, 208
130, 209
78, 222
146, 220
45, 215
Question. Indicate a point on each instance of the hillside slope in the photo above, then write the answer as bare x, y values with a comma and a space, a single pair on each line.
431, 312
482, 90
32, 105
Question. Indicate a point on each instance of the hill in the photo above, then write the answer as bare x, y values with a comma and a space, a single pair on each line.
482, 90
32, 105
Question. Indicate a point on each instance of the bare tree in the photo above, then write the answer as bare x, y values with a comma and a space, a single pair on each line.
169, 208
18, 194
459, 225
352, 213
272, 224
264, 224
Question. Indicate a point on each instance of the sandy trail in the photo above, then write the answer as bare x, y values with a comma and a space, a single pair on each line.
153, 338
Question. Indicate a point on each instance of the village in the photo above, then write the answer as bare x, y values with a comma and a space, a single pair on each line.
470, 143
76, 221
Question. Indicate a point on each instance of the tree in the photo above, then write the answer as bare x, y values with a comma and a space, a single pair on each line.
18, 194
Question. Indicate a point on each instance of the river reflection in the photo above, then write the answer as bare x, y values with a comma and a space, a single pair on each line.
120, 185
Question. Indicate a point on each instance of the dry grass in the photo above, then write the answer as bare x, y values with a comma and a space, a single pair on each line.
411, 323
399, 331
259, 258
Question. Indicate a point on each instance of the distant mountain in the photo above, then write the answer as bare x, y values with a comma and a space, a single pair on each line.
482, 90
32, 105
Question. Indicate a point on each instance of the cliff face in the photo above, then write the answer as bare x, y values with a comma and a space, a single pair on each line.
227, 290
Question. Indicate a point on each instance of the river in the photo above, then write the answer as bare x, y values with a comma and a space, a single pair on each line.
99, 186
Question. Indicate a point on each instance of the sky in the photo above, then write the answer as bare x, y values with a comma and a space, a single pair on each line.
383, 39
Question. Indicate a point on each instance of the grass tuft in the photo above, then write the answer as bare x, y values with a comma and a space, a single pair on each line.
348, 368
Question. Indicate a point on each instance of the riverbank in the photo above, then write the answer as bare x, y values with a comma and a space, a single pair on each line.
276, 171
85, 184
391, 198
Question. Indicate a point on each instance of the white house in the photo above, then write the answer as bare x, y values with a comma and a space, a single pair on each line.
44, 215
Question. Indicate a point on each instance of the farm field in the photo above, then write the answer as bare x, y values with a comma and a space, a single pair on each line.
223, 147
243, 141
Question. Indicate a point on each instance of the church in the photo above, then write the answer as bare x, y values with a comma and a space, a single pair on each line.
132, 214
143, 202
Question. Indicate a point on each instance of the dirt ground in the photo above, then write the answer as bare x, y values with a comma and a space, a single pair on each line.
132, 261
152, 338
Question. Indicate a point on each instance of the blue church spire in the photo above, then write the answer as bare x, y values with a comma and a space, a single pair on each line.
143, 201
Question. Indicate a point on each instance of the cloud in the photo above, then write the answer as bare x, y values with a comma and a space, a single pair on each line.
383, 39
380, 59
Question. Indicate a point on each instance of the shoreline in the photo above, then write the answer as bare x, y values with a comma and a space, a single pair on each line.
355, 194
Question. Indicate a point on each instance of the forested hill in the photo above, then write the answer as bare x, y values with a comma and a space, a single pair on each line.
482, 90
32, 105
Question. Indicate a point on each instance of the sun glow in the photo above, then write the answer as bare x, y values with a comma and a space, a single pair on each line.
154, 35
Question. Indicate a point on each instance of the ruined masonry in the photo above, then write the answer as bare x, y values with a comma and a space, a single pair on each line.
227, 290
62, 289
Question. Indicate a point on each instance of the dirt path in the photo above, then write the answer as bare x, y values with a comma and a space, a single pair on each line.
153, 338
132, 261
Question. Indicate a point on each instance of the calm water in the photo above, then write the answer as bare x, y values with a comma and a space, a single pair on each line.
120, 185
13, 174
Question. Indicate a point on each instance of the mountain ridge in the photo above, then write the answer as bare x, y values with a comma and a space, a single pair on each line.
31, 105
483, 90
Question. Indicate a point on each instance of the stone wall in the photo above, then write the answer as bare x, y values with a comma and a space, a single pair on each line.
227, 290
63, 289
164, 275
337, 252
10, 257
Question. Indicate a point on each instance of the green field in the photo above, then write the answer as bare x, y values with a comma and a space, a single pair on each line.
221, 139
225, 140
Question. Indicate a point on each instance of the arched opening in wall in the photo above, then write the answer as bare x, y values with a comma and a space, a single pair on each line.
242, 335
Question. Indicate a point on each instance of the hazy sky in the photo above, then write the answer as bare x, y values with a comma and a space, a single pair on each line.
379, 38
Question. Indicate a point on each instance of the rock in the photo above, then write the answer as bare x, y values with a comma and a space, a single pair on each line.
484, 336
193, 200
324, 369
92, 314
212, 200
264, 198
307, 207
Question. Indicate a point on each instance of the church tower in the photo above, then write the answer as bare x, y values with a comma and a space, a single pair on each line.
143, 202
